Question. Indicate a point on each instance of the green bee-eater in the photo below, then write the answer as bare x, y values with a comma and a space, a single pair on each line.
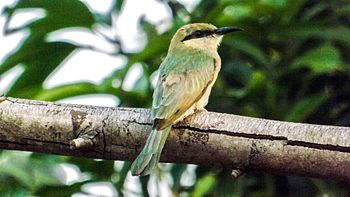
186, 77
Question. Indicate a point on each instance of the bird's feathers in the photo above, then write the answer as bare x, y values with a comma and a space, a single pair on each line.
184, 77
150, 154
185, 80
181, 83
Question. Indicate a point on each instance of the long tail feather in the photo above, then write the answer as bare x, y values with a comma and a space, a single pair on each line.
150, 154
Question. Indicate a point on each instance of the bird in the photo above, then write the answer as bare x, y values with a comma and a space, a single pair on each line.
186, 77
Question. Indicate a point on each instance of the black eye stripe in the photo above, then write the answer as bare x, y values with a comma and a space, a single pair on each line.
198, 34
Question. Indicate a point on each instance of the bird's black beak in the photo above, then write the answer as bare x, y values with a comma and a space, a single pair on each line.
226, 30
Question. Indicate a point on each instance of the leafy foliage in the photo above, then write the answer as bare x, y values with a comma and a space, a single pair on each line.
291, 63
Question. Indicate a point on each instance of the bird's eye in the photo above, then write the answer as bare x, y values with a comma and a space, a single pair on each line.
197, 33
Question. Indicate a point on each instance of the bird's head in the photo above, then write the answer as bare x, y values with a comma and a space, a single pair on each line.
200, 36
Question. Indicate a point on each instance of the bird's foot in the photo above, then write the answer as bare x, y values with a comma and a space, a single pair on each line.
199, 110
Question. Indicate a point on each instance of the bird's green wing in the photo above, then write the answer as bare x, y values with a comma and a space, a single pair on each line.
184, 78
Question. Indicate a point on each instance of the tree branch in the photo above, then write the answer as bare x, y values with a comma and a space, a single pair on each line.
211, 139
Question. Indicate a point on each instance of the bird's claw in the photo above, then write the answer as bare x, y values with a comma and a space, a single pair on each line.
200, 110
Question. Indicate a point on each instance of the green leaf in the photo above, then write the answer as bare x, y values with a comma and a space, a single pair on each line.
38, 63
29, 172
118, 4
324, 59
204, 186
303, 108
38, 57
313, 11
338, 33
291, 9
66, 91
343, 10
60, 190
257, 83
237, 73
251, 49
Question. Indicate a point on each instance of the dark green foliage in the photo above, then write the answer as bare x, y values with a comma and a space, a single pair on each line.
38, 57
291, 63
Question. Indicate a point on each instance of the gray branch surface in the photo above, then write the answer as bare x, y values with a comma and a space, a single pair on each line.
211, 139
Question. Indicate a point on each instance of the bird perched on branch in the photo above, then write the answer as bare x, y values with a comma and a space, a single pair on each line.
186, 77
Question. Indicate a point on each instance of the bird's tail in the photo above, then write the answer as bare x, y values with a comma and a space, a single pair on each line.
150, 154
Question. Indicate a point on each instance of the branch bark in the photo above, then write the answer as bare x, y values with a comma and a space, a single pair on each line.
208, 138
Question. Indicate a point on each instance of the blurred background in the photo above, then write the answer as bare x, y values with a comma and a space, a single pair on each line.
291, 63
